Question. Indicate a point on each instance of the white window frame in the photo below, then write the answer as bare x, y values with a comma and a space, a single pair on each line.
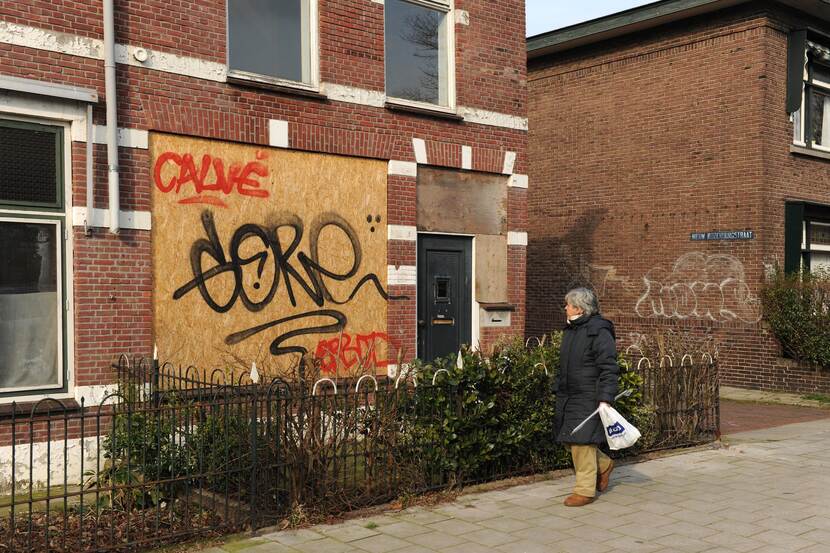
799, 118
310, 42
448, 7
72, 121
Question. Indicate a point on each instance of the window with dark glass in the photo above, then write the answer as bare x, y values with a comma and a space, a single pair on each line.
807, 237
270, 38
811, 122
29, 165
818, 105
31, 285
417, 51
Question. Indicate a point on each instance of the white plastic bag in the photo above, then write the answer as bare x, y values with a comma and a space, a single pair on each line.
619, 432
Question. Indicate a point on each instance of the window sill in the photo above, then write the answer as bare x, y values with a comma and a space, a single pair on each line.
25, 409
253, 81
436, 111
811, 152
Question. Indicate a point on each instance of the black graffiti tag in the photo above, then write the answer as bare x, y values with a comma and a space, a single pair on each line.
291, 268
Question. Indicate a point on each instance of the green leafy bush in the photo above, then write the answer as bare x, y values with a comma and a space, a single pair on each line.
797, 309
495, 413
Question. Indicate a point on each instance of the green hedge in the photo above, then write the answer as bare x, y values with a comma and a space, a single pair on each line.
496, 414
797, 309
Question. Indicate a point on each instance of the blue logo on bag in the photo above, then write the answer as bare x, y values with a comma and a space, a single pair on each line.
615, 429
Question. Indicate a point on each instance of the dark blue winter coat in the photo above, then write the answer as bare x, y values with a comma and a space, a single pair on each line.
588, 374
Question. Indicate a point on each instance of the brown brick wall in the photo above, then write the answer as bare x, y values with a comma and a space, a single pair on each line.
636, 143
113, 275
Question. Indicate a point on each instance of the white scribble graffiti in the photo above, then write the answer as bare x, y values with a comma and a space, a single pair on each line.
699, 286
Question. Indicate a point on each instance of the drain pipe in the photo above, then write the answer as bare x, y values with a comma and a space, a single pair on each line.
89, 177
112, 119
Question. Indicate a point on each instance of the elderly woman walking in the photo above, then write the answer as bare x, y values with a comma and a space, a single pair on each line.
587, 377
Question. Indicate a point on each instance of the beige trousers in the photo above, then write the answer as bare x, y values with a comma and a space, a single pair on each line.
587, 459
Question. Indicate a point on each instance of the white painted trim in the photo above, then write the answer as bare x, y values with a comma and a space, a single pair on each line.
44, 39
16, 106
353, 95
137, 220
127, 138
516, 238
75, 45
420, 148
93, 395
172, 63
48, 456
45, 88
509, 163
403, 275
462, 17
466, 157
402, 232
403, 168
518, 181
278, 133
492, 118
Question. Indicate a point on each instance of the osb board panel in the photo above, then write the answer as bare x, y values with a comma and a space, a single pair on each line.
461, 201
264, 254
491, 268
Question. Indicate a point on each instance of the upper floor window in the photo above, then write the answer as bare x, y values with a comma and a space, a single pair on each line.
273, 41
32, 223
420, 52
811, 123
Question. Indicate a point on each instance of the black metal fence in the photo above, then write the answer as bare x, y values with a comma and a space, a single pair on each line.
177, 453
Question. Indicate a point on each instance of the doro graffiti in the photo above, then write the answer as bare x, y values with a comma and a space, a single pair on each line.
699, 286
294, 272
268, 255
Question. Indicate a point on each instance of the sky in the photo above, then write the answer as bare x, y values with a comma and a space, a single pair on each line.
547, 15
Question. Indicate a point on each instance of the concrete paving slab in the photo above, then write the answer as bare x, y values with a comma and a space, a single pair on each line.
749, 497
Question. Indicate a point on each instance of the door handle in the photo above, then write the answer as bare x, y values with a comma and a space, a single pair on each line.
449, 321
422, 322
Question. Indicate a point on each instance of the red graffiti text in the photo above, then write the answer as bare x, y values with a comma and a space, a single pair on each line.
346, 351
208, 180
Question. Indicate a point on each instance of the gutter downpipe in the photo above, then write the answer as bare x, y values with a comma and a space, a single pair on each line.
112, 120
89, 177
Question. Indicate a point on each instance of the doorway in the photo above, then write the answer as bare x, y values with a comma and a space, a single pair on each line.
445, 266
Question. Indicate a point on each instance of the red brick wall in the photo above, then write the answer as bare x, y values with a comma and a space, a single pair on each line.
113, 282
636, 143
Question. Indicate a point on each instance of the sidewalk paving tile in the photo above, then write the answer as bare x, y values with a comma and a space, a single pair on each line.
454, 527
489, 537
504, 524
437, 540
294, 537
326, 545
381, 544
404, 529
733, 542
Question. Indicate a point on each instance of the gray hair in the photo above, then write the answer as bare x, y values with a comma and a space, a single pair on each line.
584, 299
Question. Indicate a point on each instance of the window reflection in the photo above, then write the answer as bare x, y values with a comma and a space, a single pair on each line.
29, 323
270, 37
416, 60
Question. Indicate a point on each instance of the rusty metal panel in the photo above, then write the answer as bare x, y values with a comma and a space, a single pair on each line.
461, 201
491, 268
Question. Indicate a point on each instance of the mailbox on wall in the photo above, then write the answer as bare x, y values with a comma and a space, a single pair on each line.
496, 314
